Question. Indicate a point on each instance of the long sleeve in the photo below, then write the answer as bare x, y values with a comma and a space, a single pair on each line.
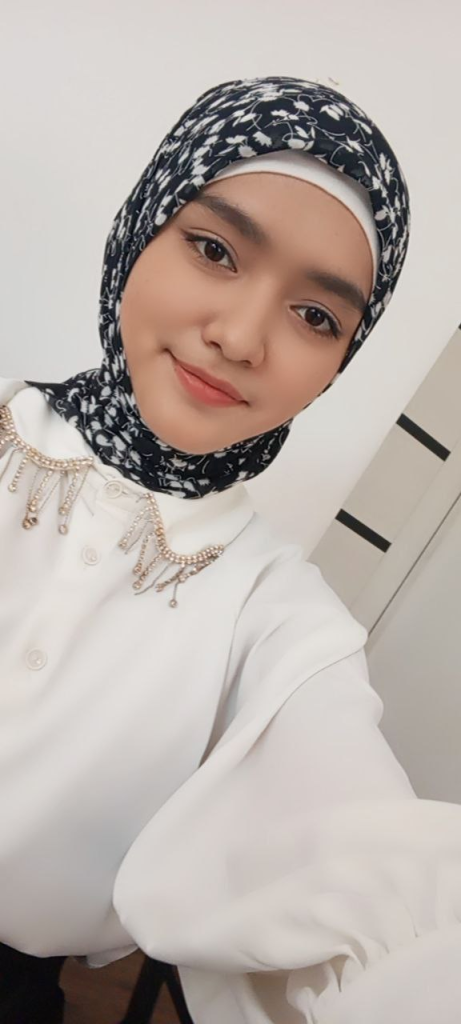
304, 882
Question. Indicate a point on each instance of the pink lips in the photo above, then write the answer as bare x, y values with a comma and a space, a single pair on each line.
204, 387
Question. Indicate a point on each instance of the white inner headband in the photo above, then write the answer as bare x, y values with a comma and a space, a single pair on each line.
309, 168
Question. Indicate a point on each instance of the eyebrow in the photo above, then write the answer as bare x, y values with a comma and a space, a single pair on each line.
249, 229
346, 290
235, 216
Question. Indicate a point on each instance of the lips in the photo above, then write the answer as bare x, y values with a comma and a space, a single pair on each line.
220, 386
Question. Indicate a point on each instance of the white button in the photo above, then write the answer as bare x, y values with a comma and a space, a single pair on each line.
113, 489
36, 660
90, 556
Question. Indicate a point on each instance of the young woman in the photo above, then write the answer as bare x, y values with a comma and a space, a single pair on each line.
189, 743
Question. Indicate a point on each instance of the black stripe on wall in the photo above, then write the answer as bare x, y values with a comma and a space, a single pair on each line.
362, 530
423, 437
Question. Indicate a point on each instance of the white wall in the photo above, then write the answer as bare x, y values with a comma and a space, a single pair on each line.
89, 89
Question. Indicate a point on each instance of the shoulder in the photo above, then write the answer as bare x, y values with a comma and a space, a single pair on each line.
289, 608
38, 424
284, 581
9, 387
292, 626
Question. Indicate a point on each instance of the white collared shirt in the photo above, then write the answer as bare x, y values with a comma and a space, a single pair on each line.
207, 781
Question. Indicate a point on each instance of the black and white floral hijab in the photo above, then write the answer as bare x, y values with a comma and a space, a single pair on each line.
236, 120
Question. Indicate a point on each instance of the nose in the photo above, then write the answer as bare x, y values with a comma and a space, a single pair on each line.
241, 328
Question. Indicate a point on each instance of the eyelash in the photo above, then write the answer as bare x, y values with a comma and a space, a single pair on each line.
193, 240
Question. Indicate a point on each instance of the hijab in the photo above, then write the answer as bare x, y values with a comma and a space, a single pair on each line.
236, 121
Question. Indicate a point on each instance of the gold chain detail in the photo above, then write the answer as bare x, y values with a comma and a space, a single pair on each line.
38, 495
147, 526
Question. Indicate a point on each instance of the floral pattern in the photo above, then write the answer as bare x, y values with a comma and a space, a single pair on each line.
235, 120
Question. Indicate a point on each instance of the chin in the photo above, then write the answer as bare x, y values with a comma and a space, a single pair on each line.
171, 430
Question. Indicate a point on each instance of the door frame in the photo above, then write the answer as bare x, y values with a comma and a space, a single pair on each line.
410, 543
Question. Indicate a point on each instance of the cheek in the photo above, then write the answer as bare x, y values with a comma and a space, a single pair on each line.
174, 299
300, 373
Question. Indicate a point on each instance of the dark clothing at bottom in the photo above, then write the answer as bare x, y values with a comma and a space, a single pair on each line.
29, 988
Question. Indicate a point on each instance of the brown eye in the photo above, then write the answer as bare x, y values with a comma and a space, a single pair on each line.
210, 249
320, 321
214, 251
314, 316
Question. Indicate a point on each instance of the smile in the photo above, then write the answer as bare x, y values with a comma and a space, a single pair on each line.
204, 387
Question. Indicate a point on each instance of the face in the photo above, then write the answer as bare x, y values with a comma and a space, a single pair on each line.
239, 313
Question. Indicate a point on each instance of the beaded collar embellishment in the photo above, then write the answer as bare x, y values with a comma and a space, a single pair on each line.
146, 530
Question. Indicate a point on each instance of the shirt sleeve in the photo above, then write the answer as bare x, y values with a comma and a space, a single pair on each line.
297, 879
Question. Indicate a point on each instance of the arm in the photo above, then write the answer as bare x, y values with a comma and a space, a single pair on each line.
299, 880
